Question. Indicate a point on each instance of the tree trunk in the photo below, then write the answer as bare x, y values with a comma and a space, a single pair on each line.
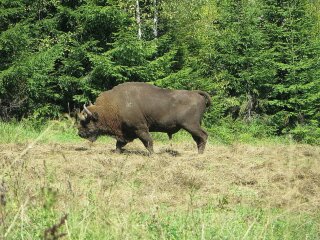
138, 18
251, 104
155, 19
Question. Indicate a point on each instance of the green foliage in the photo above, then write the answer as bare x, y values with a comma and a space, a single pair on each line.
13, 44
239, 57
230, 131
256, 58
307, 133
294, 92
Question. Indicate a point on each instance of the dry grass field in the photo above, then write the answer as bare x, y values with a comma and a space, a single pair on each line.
237, 191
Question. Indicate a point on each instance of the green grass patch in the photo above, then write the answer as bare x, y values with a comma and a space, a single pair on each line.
15, 132
210, 222
53, 131
50, 132
230, 131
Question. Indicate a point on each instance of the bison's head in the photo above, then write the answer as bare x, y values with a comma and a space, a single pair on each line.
88, 125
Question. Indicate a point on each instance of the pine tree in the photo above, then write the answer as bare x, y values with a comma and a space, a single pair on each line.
294, 97
239, 58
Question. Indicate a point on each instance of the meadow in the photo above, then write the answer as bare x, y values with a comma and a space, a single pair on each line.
259, 177
55, 185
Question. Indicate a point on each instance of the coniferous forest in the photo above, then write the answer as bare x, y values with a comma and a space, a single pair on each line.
258, 59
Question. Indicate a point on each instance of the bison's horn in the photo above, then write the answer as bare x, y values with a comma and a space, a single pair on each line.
87, 110
90, 103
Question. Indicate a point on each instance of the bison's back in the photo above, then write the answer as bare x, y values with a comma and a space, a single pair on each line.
160, 109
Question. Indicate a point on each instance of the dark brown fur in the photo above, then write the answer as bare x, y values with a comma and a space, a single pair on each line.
132, 110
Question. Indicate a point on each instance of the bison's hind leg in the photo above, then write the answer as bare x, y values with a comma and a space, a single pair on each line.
146, 139
199, 135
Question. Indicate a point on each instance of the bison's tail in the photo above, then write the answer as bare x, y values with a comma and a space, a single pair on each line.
206, 96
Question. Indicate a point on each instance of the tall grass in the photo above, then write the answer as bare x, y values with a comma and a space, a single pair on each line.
15, 132
96, 220
22, 132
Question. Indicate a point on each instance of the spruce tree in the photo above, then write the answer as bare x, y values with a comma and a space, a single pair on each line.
239, 58
294, 95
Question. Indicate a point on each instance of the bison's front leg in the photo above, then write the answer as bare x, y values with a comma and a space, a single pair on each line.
146, 139
119, 146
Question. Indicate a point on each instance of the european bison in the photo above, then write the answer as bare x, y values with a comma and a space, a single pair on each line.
132, 110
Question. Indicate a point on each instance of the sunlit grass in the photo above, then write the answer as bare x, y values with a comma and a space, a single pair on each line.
210, 222
15, 132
